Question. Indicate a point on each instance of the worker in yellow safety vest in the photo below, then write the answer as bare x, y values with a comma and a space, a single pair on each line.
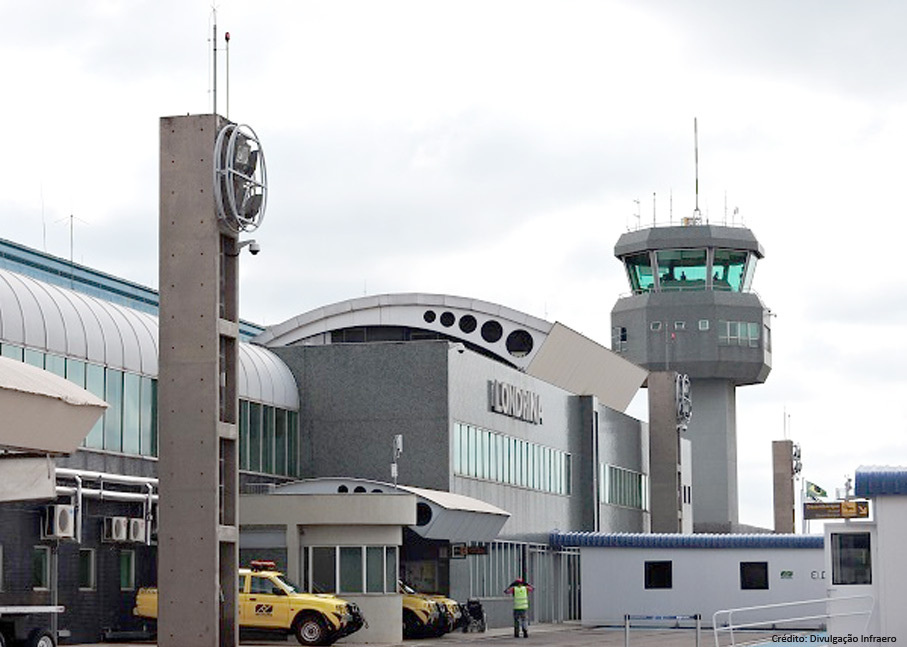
520, 590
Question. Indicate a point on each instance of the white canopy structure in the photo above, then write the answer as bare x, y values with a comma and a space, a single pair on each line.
439, 515
40, 413
43, 412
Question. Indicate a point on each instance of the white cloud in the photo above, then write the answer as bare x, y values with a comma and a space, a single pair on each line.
440, 146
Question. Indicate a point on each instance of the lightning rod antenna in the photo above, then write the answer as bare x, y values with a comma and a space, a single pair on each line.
227, 47
697, 215
214, 59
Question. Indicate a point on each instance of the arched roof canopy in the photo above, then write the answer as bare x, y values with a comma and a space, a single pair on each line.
548, 351
62, 322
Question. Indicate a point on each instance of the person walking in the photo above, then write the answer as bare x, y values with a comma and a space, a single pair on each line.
520, 590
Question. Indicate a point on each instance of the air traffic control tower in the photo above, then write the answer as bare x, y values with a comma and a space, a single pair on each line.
692, 310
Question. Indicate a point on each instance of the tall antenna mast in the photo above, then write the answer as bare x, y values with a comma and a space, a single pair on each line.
214, 59
697, 215
227, 47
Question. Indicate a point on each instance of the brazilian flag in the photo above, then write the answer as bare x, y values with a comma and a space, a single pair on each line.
815, 492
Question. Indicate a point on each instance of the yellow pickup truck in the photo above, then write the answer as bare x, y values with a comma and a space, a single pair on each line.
267, 601
422, 616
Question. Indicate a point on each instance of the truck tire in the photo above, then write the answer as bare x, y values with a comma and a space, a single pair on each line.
41, 638
310, 630
411, 624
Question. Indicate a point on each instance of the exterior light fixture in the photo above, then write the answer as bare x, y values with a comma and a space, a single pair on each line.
240, 179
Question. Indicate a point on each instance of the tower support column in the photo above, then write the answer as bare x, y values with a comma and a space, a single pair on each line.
198, 355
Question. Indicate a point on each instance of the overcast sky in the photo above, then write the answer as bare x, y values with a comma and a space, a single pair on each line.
495, 150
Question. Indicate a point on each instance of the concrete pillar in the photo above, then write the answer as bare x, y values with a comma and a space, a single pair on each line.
783, 486
198, 537
664, 453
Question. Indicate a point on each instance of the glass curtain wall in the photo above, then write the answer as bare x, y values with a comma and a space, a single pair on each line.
269, 436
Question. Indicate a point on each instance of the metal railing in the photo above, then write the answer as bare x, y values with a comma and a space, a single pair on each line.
697, 617
730, 627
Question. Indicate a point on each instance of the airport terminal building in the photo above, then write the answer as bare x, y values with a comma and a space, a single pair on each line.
521, 414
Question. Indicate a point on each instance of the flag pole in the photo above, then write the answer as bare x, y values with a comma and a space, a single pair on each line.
803, 506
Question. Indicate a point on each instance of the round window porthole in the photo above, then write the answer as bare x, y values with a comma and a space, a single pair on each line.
377, 491
429, 316
359, 489
343, 489
468, 323
423, 514
519, 343
447, 319
492, 331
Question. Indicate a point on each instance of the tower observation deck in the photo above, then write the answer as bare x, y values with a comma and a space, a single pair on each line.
692, 310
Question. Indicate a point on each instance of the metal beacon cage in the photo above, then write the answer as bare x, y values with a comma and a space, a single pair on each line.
240, 178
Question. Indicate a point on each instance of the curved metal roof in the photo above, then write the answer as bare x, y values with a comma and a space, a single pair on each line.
635, 540
549, 351
481, 323
878, 480
264, 377
58, 321
67, 323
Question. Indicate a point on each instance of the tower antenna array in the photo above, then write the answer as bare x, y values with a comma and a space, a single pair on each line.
697, 215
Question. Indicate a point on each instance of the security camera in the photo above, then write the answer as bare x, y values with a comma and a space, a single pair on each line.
253, 246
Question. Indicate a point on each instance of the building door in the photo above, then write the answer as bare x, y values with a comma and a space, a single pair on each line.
851, 579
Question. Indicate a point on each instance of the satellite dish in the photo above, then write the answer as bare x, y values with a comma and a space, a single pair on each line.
240, 178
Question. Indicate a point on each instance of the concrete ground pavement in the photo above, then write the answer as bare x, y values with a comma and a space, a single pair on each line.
570, 634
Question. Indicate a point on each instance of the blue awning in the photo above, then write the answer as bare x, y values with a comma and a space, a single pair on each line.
877, 480
634, 540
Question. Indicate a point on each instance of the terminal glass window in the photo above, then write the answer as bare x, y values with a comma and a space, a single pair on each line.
293, 443
488, 455
729, 270
255, 437
132, 388
640, 272
851, 562
374, 569
75, 372
280, 441
659, 575
55, 364
351, 569
148, 416
113, 417
323, 573
390, 566
267, 440
94, 383
34, 357
623, 487
243, 434
11, 351
682, 269
369, 569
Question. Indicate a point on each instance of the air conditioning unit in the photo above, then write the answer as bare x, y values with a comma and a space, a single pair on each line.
59, 522
137, 530
116, 529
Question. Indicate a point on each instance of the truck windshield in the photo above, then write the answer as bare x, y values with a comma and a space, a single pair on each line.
292, 588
